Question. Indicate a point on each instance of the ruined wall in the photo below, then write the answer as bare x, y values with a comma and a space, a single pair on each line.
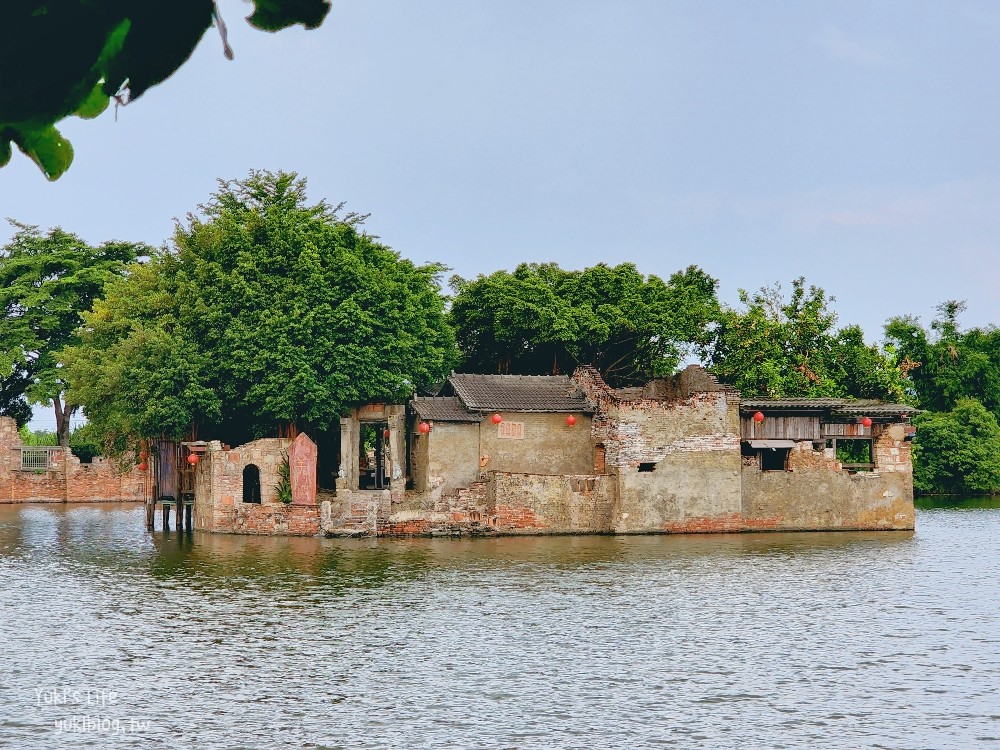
537, 503
816, 494
219, 506
692, 447
66, 480
549, 445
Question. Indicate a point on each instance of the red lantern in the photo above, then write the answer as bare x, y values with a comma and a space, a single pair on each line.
866, 421
424, 428
143, 466
570, 420
497, 419
758, 417
385, 434
143, 454
193, 459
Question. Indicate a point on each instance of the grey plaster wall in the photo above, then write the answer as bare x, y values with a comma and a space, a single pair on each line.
451, 453
549, 446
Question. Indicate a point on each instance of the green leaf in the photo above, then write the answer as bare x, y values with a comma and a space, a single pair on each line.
94, 104
48, 149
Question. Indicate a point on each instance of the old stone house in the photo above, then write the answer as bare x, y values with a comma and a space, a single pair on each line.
569, 454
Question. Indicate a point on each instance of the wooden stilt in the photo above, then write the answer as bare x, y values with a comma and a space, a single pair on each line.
166, 517
188, 512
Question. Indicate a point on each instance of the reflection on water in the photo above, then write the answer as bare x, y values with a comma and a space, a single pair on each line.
953, 502
751, 640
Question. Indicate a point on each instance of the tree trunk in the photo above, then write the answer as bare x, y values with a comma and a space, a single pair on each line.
63, 413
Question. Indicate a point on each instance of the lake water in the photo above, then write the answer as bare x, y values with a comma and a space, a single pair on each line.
114, 637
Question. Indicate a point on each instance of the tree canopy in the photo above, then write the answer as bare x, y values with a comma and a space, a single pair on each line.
47, 281
267, 310
790, 347
957, 451
541, 319
73, 56
945, 364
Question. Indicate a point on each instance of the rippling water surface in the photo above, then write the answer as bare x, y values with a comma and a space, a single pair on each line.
888, 640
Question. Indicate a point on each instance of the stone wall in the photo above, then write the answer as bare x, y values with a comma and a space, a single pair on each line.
815, 494
541, 503
677, 462
446, 459
66, 479
549, 445
219, 506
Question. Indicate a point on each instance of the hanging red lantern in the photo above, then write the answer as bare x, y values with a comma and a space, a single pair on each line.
497, 419
570, 420
143, 466
385, 433
866, 421
143, 454
193, 459
424, 428
758, 417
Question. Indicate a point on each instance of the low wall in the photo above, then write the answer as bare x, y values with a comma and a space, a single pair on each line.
66, 480
817, 495
218, 503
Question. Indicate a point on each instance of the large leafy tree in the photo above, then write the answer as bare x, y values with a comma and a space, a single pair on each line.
945, 364
778, 346
269, 310
71, 57
958, 451
541, 319
47, 281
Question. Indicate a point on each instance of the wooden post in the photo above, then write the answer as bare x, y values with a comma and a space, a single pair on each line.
188, 510
180, 514
166, 517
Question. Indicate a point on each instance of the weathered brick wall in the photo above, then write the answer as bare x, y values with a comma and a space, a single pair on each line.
539, 503
66, 480
816, 494
219, 502
692, 447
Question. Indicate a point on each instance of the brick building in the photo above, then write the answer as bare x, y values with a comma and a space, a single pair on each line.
560, 454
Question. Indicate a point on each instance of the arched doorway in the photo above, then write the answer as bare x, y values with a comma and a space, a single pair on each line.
251, 484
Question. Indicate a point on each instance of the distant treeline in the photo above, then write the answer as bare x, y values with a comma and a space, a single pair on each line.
267, 311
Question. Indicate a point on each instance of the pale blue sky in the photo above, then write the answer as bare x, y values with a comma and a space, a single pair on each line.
853, 143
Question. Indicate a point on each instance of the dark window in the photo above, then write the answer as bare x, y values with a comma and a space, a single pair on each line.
251, 484
647, 467
774, 459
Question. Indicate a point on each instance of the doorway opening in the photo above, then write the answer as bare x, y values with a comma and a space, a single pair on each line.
374, 464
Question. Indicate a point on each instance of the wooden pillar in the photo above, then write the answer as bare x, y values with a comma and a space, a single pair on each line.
188, 510
166, 517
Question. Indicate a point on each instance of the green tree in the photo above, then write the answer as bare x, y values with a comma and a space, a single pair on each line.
790, 347
71, 57
47, 281
958, 451
945, 364
541, 319
268, 311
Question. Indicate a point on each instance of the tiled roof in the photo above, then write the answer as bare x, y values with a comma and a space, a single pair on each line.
872, 409
543, 393
845, 407
442, 409
812, 404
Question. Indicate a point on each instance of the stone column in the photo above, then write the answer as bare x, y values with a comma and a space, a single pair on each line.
348, 476
396, 417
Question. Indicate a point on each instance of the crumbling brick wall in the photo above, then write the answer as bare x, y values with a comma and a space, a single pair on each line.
66, 479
